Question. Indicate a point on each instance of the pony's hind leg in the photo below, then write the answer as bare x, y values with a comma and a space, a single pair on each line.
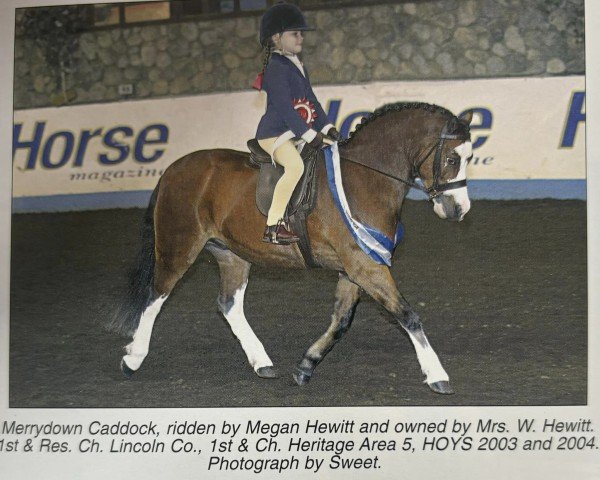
347, 296
172, 261
234, 280
137, 350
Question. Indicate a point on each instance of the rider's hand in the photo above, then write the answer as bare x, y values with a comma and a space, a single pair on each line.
320, 141
333, 133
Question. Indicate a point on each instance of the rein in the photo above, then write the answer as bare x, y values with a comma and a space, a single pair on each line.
436, 189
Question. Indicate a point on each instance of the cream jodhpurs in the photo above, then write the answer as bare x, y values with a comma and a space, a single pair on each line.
288, 157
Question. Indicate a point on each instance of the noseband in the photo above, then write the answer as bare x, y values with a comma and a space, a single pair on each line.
437, 188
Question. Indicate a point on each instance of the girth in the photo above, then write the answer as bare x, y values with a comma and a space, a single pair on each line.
303, 198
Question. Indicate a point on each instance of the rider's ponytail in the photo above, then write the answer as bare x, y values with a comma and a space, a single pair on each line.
267, 55
267, 50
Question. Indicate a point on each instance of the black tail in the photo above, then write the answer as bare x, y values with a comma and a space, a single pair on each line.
141, 277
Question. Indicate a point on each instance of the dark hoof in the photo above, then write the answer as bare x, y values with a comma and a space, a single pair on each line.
301, 377
442, 387
128, 372
267, 372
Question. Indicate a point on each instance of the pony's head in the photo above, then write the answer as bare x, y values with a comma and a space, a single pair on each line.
420, 140
443, 171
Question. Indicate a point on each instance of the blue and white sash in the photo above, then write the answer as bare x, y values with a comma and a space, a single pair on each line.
373, 242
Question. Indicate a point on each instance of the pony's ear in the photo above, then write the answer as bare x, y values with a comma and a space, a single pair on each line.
466, 117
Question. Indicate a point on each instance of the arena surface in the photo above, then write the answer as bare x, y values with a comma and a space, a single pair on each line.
502, 295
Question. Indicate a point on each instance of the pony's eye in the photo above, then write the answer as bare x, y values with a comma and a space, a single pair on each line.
452, 161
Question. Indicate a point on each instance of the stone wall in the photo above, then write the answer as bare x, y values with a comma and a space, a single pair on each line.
403, 41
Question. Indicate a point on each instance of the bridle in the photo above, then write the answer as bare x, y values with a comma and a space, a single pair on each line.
436, 189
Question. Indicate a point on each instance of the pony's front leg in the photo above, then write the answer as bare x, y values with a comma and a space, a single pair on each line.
346, 297
378, 282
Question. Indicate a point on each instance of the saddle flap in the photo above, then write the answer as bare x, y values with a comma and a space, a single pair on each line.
304, 193
267, 179
257, 154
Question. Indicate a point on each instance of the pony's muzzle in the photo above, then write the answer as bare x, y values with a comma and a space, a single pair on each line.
450, 206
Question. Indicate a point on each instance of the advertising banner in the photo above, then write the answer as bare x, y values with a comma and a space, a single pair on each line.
524, 129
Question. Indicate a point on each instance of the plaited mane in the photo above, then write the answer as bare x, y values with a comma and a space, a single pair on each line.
459, 127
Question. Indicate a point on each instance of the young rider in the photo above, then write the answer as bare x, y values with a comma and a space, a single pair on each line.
293, 111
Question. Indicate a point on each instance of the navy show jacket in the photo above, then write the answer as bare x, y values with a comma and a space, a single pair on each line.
284, 83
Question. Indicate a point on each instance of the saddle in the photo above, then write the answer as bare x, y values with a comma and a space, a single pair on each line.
303, 199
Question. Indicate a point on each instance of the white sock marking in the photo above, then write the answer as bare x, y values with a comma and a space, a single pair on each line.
428, 359
252, 346
138, 348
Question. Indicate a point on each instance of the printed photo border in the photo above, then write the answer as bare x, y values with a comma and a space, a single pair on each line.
580, 464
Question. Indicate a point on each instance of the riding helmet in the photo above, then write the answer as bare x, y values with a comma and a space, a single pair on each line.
281, 17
